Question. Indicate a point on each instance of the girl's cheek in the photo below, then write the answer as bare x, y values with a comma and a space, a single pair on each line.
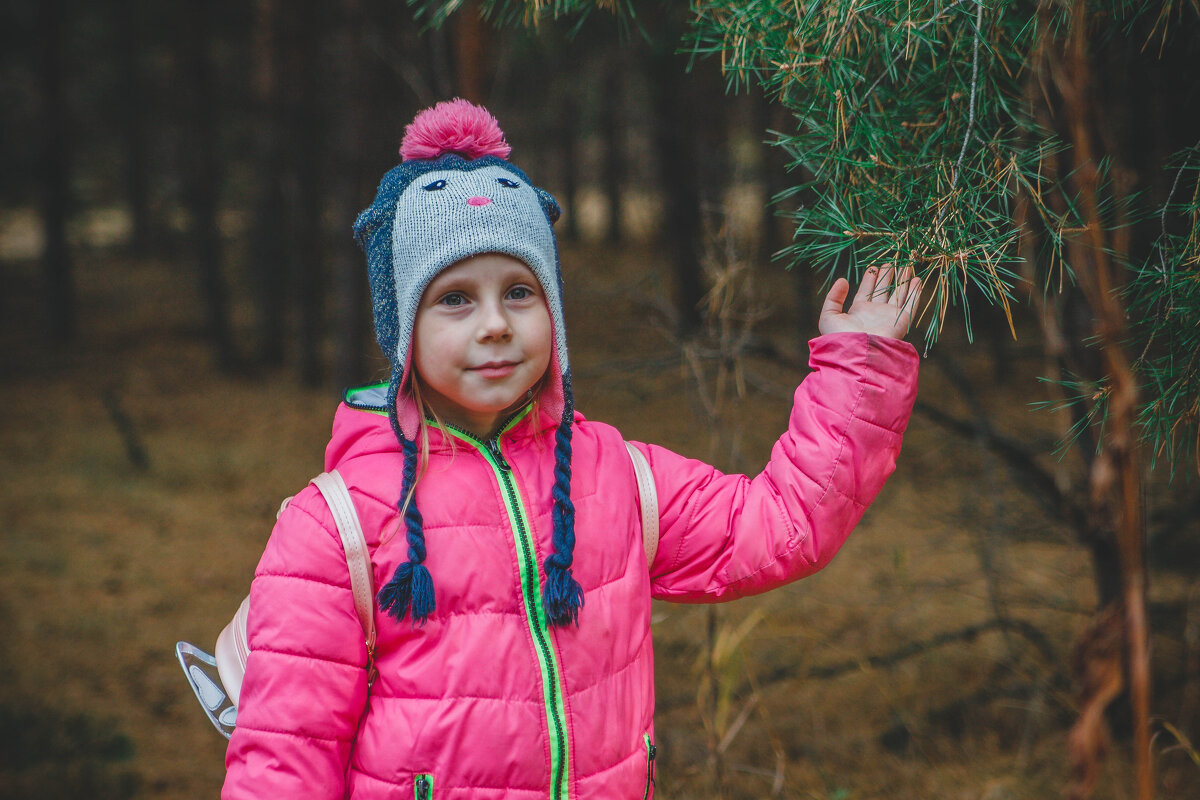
540, 383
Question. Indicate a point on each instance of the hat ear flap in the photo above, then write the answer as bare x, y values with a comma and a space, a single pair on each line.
367, 223
549, 205
379, 214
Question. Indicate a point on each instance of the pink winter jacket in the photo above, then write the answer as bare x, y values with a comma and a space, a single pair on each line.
484, 701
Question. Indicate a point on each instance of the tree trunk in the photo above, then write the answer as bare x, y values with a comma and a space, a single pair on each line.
612, 128
675, 141
471, 58
771, 169
307, 231
1067, 323
568, 115
349, 278
203, 185
56, 196
134, 122
1116, 473
269, 236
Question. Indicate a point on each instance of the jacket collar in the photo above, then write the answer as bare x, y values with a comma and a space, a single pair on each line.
361, 426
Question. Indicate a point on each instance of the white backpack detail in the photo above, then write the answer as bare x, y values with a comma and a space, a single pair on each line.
217, 678
648, 500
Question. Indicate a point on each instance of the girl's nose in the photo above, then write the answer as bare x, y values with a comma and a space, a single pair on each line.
493, 323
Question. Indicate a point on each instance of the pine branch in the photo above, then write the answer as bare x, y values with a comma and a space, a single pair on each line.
974, 87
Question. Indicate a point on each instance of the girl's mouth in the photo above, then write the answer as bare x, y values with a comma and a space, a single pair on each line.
495, 369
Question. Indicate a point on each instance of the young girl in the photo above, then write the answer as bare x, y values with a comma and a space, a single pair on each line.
513, 656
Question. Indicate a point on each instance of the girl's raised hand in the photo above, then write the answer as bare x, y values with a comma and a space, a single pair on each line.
883, 304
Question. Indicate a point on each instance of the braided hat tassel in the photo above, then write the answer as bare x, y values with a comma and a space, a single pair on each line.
411, 585
562, 596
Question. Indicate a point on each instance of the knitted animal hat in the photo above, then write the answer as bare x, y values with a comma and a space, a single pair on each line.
456, 195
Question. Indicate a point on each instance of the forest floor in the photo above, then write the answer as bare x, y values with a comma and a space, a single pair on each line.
930, 660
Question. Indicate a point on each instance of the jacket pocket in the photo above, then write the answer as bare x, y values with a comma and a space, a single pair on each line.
423, 787
651, 754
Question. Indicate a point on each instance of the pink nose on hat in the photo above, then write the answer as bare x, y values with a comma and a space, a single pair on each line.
478, 201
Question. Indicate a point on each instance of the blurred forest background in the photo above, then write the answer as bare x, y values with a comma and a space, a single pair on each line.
1019, 614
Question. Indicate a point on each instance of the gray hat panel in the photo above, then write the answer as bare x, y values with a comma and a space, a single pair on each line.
436, 227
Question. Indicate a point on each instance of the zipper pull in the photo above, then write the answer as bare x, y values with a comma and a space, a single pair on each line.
651, 753
493, 447
422, 787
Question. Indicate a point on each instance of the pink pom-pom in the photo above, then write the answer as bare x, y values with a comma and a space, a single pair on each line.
455, 126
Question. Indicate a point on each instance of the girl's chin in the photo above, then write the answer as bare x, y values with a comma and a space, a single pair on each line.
501, 410
482, 419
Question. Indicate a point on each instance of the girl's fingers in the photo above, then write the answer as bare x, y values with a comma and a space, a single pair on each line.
866, 289
835, 300
900, 292
914, 293
884, 287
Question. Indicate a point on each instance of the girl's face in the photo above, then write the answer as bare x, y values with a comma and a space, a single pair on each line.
482, 338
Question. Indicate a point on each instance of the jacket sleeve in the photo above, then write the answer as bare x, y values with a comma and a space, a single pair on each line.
727, 536
305, 686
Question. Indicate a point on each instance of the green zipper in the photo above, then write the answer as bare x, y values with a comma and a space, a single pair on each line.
423, 787
531, 591
651, 754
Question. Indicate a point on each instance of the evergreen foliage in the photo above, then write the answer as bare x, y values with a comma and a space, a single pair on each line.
1164, 301
911, 142
920, 127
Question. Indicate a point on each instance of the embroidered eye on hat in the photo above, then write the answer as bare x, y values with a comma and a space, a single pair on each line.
455, 194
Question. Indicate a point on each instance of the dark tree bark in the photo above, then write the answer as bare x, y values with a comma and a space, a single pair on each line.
269, 238
350, 287
1115, 479
688, 103
204, 183
1067, 323
134, 122
771, 170
308, 135
470, 50
612, 129
676, 145
55, 158
568, 139
440, 68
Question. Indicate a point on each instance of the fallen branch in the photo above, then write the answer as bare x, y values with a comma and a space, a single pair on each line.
1031, 634
952, 716
134, 448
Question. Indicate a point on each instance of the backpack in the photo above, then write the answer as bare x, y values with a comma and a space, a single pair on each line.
216, 678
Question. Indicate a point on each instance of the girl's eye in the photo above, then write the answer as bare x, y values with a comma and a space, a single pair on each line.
435, 186
520, 292
453, 299
507, 183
